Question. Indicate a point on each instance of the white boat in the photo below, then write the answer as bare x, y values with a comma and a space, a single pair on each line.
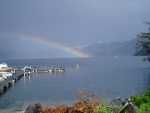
27, 70
6, 74
2, 78
3, 65
5, 71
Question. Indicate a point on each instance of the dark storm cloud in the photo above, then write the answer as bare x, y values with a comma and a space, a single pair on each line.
74, 22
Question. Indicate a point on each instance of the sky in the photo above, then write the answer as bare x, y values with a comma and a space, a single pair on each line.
74, 23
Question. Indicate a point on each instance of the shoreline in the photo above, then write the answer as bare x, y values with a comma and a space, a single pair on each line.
26, 104
12, 110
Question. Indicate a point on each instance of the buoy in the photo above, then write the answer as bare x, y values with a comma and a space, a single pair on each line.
77, 66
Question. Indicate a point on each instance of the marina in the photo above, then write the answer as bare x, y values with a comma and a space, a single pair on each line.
26, 71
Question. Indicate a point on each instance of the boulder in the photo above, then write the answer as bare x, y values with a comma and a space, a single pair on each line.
125, 103
33, 108
128, 109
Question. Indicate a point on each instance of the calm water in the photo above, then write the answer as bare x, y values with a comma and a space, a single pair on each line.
106, 76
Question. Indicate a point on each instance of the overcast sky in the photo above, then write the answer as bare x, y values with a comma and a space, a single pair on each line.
75, 22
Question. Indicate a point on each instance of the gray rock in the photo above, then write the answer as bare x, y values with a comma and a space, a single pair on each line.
126, 103
33, 108
128, 109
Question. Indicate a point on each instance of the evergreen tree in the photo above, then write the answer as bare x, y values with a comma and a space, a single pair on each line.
144, 43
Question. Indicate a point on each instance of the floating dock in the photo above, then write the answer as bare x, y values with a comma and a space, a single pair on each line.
9, 81
48, 70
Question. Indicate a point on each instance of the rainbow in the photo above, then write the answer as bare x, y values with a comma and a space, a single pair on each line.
46, 42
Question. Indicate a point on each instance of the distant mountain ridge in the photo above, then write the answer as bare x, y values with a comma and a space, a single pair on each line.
126, 48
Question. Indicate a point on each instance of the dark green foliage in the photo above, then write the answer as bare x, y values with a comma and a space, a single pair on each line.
103, 109
142, 101
144, 43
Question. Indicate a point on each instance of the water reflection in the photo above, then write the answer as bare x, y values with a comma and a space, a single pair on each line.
27, 78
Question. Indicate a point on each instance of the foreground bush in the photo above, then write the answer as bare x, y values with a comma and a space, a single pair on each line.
93, 104
82, 105
142, 101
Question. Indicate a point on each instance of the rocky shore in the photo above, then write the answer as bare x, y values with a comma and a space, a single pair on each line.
76, 108
94, 104
83, 105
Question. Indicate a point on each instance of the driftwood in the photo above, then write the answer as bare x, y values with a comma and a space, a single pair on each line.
33, 108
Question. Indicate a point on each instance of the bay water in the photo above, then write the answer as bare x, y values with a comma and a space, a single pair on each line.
108, 77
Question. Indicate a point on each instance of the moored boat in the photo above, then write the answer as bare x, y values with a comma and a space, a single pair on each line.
3, 65
5, 70
7, 74
2, 77
27, 70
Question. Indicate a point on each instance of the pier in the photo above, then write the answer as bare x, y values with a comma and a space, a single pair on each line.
9, 81
46, 70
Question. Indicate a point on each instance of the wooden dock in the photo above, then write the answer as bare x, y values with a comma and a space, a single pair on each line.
11, 80
46, 70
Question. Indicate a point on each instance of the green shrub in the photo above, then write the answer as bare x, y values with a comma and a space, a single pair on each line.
103, 109
142, 101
